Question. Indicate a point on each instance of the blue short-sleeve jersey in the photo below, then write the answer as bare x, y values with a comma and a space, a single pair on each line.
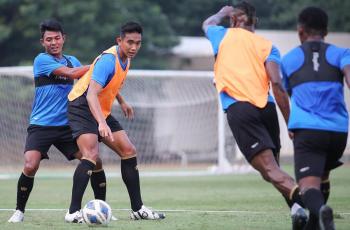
317, 105
104, 68
50, 101
215, 34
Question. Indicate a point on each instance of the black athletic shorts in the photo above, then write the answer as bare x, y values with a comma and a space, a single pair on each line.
254, 129
317, 151
82, 121
41, 138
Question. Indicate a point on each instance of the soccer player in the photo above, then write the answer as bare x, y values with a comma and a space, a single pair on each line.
89, 114
53, 76
244, 67
314, 75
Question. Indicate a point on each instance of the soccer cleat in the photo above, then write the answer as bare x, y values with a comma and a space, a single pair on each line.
299, 219
113, 218
76, 217
17, 217
326, 218
146, 214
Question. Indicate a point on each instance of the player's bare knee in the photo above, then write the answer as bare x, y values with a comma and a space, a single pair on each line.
129, 151
30, 168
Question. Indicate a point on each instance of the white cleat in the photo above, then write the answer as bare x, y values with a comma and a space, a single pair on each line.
17, 217
146, 214
76, 217
113, 218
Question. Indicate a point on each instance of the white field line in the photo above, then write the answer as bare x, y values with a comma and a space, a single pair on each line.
163, 210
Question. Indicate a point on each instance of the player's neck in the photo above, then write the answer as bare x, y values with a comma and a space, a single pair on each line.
121, 55
315, 38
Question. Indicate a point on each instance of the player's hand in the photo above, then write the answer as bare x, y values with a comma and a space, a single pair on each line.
127, 110
227, 11
105, 131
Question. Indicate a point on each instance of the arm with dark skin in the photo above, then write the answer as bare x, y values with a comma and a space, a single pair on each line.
346, 72
226, 11
95, 108
127, 109
279, 92
73, 73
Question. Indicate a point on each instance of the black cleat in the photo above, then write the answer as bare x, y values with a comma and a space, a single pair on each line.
326, 218
299, 219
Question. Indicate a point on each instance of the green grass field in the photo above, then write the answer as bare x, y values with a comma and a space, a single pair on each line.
198, 202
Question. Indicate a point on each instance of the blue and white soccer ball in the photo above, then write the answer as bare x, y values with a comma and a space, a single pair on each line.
97, 213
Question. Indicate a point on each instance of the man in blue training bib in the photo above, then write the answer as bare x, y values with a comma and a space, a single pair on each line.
54, 74
313, 74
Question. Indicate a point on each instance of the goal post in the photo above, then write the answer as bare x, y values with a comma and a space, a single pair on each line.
178, 121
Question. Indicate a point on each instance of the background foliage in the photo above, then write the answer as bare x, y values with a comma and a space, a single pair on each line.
92, 25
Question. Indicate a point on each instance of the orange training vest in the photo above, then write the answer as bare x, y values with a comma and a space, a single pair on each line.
107, 96
239, 67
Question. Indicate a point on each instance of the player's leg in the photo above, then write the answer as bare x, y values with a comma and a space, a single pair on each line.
85, 130
130, 174
312, 163
38, 142
88, 145
25, 184
68, 147
257, 134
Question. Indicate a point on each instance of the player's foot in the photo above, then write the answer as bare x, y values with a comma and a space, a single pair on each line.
17, 217
146, 214
75, 217
299, 219
113, 218
326, 218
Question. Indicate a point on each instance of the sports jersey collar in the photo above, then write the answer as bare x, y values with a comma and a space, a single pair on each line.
123, 65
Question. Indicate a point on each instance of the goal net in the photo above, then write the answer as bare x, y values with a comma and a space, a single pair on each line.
178, 121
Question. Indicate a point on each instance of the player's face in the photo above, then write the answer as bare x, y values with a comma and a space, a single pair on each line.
129, 44
301, 33
53, 42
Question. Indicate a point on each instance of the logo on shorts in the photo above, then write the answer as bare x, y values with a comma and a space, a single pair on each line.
23, 189
89, 172
253, 146
304, 169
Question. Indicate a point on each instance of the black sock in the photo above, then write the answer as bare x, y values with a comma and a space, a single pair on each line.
325, 189
24, 187
98, 184
313, 200
295, 198
130, 175
80, 180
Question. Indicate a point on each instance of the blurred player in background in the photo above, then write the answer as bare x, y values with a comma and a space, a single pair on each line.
90, 118
54, 73
314, 74
245, 64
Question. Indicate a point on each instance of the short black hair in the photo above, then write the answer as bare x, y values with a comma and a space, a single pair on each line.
50, 25
130, 27
248, 9
314, 20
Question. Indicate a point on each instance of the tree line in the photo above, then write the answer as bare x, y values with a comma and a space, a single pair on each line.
91, 25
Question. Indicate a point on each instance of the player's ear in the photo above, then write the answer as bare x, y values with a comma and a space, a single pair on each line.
118, 40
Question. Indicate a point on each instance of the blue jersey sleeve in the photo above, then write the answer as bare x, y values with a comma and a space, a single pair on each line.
104, 69
215, 34
274, 55
75, 62
45, 64
345, 59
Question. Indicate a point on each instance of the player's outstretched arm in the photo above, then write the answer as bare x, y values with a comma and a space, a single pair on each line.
73, 73
95, 108
346, 72
126, 108
279, 92
226, 11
